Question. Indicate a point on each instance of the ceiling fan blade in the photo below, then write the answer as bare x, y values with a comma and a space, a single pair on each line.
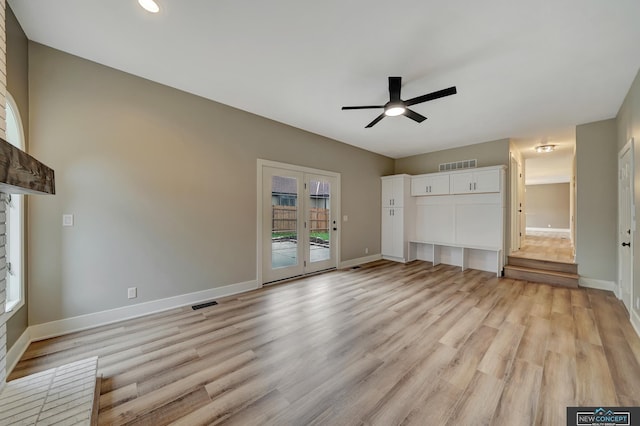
394, 88
374, 122
363, 107
431, 96
414, 115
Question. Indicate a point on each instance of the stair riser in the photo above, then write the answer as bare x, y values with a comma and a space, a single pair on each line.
546, 265
541, 277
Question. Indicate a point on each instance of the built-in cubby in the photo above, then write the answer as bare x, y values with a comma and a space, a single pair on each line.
461, 223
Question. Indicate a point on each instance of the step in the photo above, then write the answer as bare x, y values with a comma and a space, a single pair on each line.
547, 265
562, 279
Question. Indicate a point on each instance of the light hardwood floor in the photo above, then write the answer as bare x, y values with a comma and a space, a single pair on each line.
384, 344
546, 248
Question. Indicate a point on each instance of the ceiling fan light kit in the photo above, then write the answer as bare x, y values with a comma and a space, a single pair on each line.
396, 106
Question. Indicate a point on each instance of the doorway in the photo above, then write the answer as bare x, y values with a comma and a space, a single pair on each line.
542, 201
298, 211
626, 224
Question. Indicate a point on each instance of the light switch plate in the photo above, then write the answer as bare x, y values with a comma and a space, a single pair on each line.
67, 220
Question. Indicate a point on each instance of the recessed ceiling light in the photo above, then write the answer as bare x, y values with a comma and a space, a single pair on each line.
545, 148
149, 6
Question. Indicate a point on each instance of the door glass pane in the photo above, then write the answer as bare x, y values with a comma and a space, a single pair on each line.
319, 220
284, 221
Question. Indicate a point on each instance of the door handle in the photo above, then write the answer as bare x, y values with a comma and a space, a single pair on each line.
626, 244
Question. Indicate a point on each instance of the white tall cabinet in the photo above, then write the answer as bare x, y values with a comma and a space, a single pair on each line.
397, 216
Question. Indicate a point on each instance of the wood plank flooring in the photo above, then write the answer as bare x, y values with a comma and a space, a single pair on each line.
547, 248
384, 344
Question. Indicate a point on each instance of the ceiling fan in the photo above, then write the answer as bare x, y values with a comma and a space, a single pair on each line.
397, 106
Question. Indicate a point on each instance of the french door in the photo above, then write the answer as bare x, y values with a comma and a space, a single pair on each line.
299, 222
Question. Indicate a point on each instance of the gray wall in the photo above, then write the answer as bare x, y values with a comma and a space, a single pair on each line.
548, 206
596, 198
628, 124
163, 188
488, 154
18, 86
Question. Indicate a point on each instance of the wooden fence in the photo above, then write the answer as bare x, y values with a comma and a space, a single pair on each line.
284, 219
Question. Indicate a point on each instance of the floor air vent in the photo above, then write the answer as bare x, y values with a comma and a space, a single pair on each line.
204, 305
457, 165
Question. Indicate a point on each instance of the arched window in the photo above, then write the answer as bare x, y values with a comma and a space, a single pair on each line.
14, 218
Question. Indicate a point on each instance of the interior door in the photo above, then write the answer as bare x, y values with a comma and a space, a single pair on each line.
321, 223
625, 224
299, 223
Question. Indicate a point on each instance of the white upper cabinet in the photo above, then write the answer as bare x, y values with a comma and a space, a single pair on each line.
393, 191
479, 181
435, 184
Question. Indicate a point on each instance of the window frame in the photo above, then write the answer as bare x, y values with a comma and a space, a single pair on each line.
11, 239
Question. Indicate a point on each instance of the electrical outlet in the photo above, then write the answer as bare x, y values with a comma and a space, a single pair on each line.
345, 218
132, 292
366, 250
638, 303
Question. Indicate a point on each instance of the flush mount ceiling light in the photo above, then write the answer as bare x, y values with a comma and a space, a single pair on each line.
545, 148
149, 6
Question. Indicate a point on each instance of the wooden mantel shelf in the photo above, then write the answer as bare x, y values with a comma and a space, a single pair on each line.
20, 173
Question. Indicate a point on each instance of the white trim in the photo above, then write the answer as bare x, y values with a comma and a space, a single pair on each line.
11, 310
17, 350
83, 322
635, 322
359, 261
566, 230
598, 284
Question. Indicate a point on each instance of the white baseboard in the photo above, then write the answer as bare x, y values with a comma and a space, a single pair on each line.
635, 321
598, 284
359, 261
83, 322
17, 350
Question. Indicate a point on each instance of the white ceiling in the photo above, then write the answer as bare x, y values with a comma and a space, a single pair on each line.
523, 70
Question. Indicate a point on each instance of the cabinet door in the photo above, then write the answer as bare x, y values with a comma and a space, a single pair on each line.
398, 191
387, 192
461, 183
430, 185
392, 232
487, 181
420, 186
393, 192
438, 185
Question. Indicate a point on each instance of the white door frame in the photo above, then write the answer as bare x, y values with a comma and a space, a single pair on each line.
516, 204
628, 148
268, 163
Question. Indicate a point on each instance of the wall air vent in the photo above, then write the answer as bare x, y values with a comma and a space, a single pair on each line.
457, 165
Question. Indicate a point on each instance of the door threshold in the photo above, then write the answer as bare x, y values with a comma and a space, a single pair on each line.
308, 274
